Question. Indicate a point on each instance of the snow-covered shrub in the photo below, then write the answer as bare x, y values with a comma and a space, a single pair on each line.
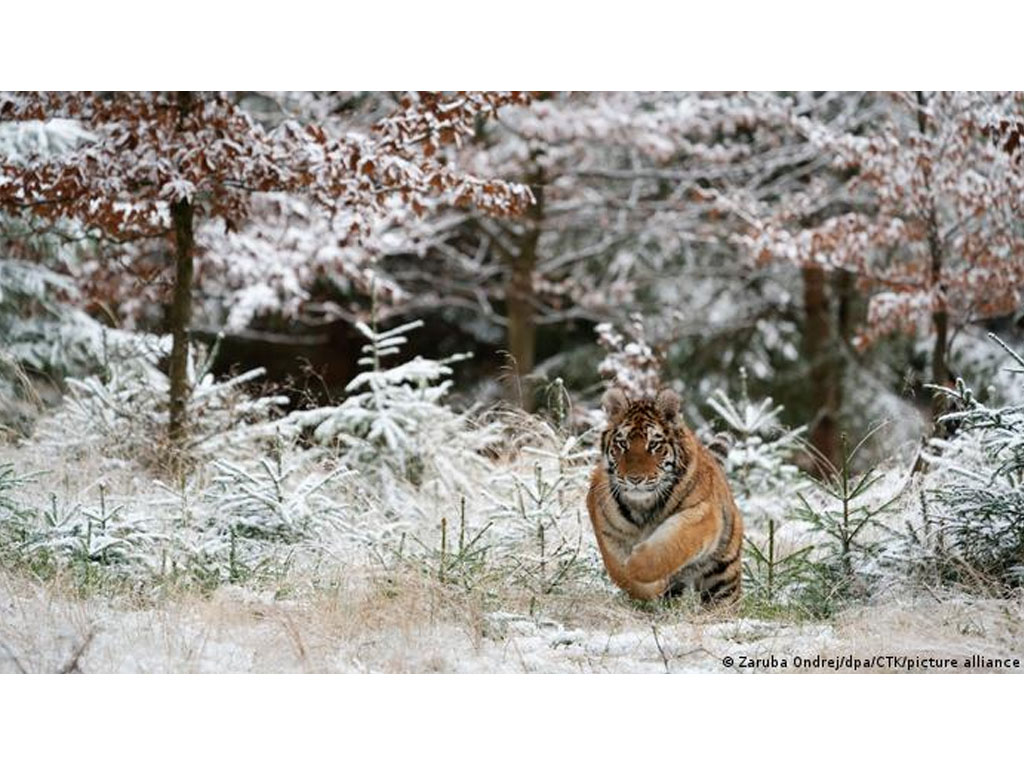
394, 424
523, 526
122, 412
759, 454
974, 495
536, 505
90, 539
27, 308
274, 499
225, 522
832, 546
457, 557
41, 331
250, 517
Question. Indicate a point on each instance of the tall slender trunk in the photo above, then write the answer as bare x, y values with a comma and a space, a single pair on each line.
843, 290
940, 310
824, 361
182, 214
844, 286
520, 297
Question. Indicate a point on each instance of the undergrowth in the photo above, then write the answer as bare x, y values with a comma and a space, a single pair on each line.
485, 506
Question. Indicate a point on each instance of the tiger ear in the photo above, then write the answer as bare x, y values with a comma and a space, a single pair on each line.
667, 403
614, 402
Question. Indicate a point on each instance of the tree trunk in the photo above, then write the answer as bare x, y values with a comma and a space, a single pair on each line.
843, 290
844, 286
940, 319
520, 298
182, 212
940, 311
825, 372
181, 317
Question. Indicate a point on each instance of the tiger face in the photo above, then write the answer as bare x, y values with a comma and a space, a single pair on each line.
640, 447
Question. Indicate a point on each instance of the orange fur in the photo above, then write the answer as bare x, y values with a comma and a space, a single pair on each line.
660, 506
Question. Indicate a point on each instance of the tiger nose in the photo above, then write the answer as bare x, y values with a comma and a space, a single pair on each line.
637, 479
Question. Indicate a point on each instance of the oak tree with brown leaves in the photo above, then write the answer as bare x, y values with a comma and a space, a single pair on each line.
931, 224
158, 164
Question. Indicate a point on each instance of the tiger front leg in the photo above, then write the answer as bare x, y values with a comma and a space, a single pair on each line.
677, 542
614, 552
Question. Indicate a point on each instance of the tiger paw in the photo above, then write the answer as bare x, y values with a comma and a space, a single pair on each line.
641, 565
649, 591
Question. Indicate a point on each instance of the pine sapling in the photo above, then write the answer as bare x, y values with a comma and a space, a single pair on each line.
771, 576
848, 514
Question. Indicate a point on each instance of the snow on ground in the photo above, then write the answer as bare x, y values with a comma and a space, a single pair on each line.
416, 627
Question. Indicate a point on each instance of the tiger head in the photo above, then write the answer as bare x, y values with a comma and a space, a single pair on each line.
642, 447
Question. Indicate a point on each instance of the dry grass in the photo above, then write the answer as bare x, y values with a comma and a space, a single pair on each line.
407, 622
406, 614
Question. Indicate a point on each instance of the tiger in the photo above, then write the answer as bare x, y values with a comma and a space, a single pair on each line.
661, 509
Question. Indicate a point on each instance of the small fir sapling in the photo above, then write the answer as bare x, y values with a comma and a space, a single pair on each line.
394, 424
758, 454
848, 513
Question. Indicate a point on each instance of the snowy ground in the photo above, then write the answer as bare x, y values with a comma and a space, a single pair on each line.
413, 626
